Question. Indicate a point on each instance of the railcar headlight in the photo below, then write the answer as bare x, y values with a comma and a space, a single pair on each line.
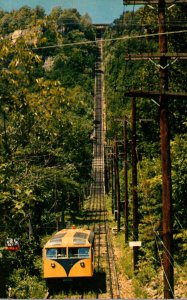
82, 264
53, 265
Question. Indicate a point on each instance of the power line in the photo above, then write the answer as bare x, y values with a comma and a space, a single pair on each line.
112, 39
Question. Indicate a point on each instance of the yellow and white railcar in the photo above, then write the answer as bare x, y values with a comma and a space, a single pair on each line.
69, 254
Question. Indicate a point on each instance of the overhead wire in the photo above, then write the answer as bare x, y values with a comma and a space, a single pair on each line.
179, 22
111, 39
156, 234
160, 256
169, 256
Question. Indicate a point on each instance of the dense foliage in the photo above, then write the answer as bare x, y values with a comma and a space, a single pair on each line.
46, 112
46, 118
123, 74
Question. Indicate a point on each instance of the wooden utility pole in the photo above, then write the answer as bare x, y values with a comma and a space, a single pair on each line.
117, 184
114, 180
166, 161
126, 208
113, 189
134, 184
107, 170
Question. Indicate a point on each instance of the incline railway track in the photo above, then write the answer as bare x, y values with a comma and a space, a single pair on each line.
104, 253
105, 283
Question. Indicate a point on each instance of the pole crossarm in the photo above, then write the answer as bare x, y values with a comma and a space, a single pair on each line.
154, 94
155, 56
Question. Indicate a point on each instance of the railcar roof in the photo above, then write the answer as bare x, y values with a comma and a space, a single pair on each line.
71, 237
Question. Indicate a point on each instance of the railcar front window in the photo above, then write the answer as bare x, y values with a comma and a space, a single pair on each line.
73, 252
51, 253
61, 253
56, 253
79, 252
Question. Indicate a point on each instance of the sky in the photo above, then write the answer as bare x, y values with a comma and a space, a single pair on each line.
101, 11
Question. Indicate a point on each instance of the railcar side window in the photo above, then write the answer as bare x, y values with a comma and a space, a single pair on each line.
83, 252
